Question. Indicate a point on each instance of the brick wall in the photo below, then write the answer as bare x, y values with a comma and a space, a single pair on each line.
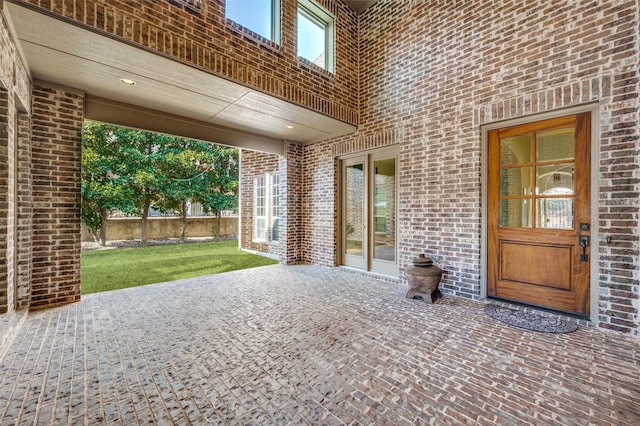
23, 237
14, 87
422, 75
198, 33
5, 135
291, 167
55, 168
431, 73
319, 197
254, 164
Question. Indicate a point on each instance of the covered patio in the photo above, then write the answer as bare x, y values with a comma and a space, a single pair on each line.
306, 345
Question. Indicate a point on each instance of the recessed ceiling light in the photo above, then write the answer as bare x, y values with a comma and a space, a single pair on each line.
289, 127
127, 82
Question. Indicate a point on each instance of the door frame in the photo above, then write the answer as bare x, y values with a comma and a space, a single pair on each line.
592, 108
371, 155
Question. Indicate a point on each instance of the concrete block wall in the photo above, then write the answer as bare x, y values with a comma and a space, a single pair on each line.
128, 228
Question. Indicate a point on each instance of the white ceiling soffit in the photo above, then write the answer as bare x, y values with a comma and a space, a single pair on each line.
69, 55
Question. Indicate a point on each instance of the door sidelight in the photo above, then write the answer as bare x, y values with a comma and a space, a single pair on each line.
584, 243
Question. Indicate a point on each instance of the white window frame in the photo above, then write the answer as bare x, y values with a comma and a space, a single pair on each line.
260, 209
274, 198
266, 208
276, 26
315, 12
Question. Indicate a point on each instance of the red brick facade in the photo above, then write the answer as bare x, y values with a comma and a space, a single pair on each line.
254, 165
199, 34
15, 217
431, 75
55, 157
423, 76
6, 216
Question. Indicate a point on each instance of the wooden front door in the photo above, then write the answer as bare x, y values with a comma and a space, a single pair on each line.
539, 218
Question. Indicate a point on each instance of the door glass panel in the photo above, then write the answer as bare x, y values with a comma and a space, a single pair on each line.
554, 213
384, 209
515, 213
354, 209
515, 181
515, 150
555, 179
556, 145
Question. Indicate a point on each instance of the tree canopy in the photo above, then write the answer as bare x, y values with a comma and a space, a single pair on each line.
134, 171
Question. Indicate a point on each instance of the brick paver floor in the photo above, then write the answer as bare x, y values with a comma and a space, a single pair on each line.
306, 345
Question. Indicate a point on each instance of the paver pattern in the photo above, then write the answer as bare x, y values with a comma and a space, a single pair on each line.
306, 345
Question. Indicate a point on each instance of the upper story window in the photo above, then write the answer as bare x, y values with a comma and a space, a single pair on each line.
316, 34
260, 16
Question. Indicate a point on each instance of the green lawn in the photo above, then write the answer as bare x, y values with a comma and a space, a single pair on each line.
104, 270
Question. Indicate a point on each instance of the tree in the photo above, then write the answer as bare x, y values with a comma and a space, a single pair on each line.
142, 166
180, 171
199, 172
133, 171
219, 187
103, 188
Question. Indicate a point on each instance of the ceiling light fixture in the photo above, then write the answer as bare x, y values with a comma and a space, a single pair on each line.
127, 82
289, 127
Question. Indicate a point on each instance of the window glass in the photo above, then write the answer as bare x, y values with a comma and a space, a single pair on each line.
555, 213
260, 205
515, 150
354, 205
515, 181
260, 16
556, 145
537, 180
515, 213
316, 34
267, 208
275, 208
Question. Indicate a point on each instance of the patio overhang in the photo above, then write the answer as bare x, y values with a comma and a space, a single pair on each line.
169, 96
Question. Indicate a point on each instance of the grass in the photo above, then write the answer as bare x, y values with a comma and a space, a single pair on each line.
105, 270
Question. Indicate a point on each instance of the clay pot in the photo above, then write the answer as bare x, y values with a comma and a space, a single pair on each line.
424, 278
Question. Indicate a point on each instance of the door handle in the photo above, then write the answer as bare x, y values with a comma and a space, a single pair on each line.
584, 243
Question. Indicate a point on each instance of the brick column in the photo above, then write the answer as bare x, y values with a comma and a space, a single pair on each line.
23, 237
57, 118
4, 196
292, 231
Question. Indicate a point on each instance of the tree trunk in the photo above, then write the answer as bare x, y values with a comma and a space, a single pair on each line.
217, 236
183, 220
143, 219
104, 213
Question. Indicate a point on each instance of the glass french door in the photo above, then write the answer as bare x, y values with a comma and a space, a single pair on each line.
369, 188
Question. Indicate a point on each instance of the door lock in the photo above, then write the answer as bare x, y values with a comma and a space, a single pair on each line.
584, 243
